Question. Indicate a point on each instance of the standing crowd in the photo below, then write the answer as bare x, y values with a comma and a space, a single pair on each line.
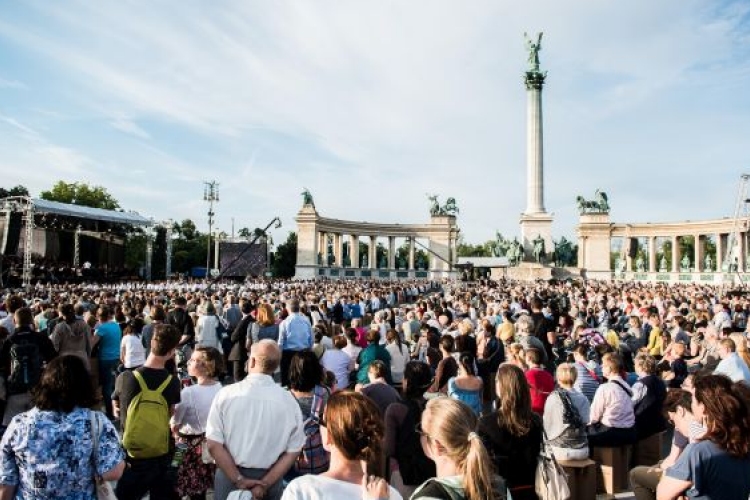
368, 389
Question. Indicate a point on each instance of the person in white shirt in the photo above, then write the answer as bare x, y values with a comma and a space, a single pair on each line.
255, 457
731, 364
352, 431
399, 355
194, 477
132, 352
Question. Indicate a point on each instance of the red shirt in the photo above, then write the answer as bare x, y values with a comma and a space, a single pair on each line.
541, 383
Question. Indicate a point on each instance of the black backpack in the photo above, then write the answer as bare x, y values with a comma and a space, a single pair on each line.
25, 363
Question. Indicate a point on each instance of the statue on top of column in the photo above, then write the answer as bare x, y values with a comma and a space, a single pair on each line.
534, 49
307, 198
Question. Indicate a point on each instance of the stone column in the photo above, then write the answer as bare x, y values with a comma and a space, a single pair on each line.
354, 250
338, 250
534, 144
373, 253
675, 254
742, 248
323, 248
391, 252
411, 253
698, 252
652, 254
719, 252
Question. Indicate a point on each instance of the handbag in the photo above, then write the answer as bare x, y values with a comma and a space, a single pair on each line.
551, 482
104, 490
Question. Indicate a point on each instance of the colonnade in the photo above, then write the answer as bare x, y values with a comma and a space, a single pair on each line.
321, 242
334, 257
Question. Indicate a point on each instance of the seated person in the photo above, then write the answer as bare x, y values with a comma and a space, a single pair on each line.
677, 408
612, 420
649, 393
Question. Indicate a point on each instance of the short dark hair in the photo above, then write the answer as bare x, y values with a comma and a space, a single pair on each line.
24, 317
165, 339
64, 385
447, 343
305, 371
418, 377
373, 337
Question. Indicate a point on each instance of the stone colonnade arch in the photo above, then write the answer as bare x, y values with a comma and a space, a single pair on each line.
313, 233
596, 234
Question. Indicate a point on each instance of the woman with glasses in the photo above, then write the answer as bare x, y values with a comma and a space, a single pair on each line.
464, 468
352, 431
717, 466
194, 477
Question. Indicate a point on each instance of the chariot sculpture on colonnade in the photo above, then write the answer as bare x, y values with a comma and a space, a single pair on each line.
449, 208
599, 205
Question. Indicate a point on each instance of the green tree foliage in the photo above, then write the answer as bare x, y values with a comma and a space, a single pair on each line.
285, 257
80, 193
464, 249
14, 191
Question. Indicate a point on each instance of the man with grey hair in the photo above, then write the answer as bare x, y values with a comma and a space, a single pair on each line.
255, 430
295, 334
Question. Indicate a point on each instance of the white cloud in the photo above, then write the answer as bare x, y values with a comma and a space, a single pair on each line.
371, 105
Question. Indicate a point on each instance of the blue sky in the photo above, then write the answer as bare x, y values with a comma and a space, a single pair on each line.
371, 105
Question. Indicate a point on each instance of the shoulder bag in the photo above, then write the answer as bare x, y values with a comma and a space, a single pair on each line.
551, 481
104, 490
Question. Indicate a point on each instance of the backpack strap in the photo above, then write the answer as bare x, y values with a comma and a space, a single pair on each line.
144, 387
140, 380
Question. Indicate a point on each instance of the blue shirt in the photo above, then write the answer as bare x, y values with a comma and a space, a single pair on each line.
295, 333
48, 454
110, 335
715, 474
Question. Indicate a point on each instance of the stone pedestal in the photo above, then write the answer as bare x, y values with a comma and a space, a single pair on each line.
307, 243
529, 271
533, 225
595, 247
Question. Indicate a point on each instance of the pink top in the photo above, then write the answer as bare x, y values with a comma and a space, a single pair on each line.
612, 404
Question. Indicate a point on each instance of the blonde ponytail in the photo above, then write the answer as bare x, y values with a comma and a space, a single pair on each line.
478, 473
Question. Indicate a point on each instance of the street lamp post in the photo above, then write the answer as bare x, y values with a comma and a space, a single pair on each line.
210, 194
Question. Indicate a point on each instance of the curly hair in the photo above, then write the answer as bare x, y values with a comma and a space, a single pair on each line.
727, 413
65, 384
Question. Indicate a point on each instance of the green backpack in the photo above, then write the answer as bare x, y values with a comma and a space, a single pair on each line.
147, 424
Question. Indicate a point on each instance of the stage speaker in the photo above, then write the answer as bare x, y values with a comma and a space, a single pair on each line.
633, 248
12, 236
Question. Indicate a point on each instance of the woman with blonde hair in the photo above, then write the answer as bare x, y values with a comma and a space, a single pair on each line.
566, 413
352, 431
517, 356
265, 326
506, 331
740, 344
464, 468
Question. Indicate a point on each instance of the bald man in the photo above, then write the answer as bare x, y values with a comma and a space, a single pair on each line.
247, 427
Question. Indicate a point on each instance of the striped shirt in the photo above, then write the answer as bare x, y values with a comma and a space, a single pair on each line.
586, 383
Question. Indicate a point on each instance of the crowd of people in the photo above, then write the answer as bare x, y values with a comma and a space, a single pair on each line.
368, 389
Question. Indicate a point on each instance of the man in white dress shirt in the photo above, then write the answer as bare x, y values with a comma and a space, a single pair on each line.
255, 430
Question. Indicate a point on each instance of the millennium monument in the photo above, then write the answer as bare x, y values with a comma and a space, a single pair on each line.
536, 223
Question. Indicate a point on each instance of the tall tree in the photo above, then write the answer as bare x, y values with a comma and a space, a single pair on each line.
80, 193
14, 191
285, 257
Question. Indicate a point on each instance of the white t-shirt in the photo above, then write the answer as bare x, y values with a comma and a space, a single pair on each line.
399, 358
195, 404
312, 487
135, 354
